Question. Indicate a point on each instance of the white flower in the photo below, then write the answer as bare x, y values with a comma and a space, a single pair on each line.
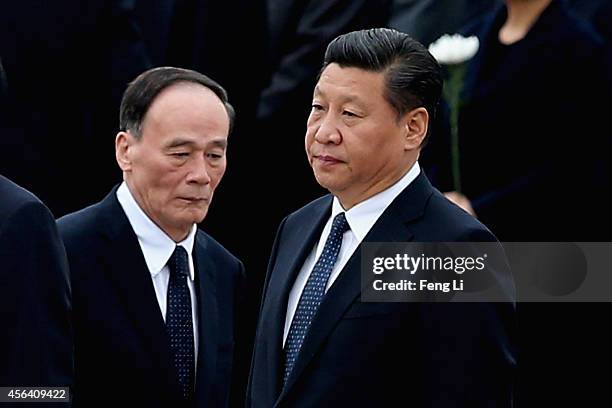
454, 49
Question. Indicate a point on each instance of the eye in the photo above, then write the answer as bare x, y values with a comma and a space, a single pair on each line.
350, 114
180, 154
214, 156
317, 107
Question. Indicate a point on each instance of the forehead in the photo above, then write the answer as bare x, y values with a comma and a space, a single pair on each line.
350, 83
187, 106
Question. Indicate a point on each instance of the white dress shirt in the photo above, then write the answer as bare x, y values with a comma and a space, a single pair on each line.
361, 218
157, 247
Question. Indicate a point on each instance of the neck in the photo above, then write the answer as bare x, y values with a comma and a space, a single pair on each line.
177, 234
349, 199
522, 15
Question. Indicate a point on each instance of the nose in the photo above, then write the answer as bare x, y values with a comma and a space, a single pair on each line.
198, 171
328, 131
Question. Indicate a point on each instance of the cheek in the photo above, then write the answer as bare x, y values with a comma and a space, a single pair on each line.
216, 174
166, 183
359, 157
153, 167
309, 138
152, 181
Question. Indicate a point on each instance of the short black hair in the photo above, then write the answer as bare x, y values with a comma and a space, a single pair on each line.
413, 77
141, 92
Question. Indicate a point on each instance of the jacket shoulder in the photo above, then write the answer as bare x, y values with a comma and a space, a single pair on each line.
13, 197
78, 228
450, 223
217, 251
310, 210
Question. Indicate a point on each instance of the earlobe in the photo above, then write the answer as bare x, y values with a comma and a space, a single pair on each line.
122, 151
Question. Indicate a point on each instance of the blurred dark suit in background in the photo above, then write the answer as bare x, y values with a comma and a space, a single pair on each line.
427, 20
67, 63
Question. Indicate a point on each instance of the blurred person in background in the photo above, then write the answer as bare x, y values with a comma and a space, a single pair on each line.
532, 126
533, 146
67, 63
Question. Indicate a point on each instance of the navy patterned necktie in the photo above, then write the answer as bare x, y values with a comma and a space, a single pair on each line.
313, 292
179, 323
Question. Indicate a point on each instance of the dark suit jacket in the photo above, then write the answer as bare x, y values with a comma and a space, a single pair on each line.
383, 354
598, 13
36, 342
120, 338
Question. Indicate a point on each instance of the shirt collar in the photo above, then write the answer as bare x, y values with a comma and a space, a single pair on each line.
362, 217
157, 247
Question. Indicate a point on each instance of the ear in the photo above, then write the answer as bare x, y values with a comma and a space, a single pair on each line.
123, 146
415, 123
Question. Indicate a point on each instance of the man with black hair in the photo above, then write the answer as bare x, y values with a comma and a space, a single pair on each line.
317, 343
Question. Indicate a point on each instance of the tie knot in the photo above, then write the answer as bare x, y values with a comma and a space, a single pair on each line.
340, 224
179, 262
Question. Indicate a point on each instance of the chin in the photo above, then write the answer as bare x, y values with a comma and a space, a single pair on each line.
196, 216
331, 187
200, 217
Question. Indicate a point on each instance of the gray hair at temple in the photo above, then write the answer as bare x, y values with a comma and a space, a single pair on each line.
143, 90
413, 77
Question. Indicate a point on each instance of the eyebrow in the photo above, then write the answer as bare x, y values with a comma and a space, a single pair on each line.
222, 143
180, 142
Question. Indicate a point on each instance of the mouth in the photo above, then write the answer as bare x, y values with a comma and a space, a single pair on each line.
327, 159
194, 200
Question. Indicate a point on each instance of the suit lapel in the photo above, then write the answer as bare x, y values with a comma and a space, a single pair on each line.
208, 323
128, 271
392, 226
290, 258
